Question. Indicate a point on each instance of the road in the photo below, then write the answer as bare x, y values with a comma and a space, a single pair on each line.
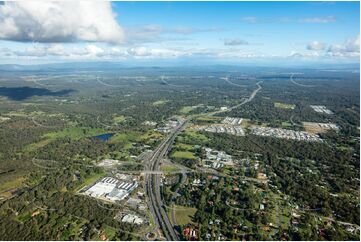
298, 84
226, 79
153, 178
250, 98
247, 100
153, 182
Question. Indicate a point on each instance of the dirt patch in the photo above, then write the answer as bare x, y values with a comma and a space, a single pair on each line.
319, 127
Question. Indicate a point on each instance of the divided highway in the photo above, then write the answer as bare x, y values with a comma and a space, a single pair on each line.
152, 179
153, 185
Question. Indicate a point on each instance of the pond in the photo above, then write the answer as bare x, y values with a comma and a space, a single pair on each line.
104, 137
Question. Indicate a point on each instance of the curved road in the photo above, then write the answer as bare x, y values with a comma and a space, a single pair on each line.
226, 79
298, 84
247, 100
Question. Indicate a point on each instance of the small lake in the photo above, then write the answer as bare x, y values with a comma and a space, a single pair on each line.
104, 137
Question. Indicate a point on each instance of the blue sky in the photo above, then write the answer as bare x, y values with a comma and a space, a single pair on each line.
217, 32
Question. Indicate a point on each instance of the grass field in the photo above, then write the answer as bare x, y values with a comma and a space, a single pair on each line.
284, 105
184, 155
119, 119
24, 217
186, 109
286, 124
35, 146
160, 102
91, 179
151, 134
17, 114
120, 137
109, 231
126, 138
12, 184
192, 137
169, 168
208, 119
185, 147
183, 215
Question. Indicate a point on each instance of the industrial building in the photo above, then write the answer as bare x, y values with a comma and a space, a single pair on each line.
321, 109
232, 121
130, 217
111, 189
216, 159
133, 219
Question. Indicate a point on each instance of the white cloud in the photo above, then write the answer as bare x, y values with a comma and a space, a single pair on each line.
144, 52
58, 51
309, 55
44, 21
353, 44
350, 48
316, 45
322, 20
94, 51
41, 51
233, 42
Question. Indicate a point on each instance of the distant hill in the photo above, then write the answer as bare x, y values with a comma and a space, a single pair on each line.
103, 66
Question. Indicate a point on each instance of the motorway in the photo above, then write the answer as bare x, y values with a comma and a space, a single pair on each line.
247, 100
153, 185
298, 84
226, 79
250, 98
152, 178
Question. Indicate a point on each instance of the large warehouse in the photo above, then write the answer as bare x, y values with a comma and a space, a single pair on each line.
111, 189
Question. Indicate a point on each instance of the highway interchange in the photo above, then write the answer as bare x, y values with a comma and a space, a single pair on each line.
153, 182
153, 179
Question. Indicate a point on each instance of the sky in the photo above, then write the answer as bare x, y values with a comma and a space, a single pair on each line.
180, 32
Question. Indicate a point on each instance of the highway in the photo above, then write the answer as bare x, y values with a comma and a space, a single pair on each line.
298, 84
226, 79
152, 178
247, 100
153, 185
250, 98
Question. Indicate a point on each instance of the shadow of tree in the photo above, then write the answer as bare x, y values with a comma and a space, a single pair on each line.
22, 93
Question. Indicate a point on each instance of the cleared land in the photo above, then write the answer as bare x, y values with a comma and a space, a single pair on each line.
185, 147
184, 155
186, 109
169, 168
160, 102
119, 119
284, 105
192, 137
318, 127
7, 186
184, 215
